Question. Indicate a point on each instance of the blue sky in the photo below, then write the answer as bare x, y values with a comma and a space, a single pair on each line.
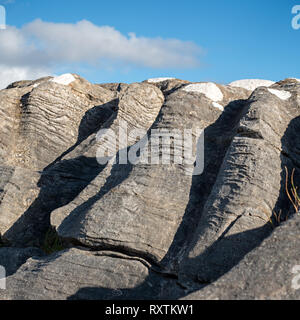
220, 41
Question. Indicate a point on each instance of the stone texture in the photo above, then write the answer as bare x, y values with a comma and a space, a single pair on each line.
249, 186
139, 105
116, 88
141, 230
269, 272
77, 274
42, 121
50, 122
143, 195
19, 191
13, 258
169, 85
133, 100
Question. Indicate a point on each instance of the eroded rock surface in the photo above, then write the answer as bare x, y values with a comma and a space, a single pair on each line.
249, 187
269, 272
79, 274
140, 230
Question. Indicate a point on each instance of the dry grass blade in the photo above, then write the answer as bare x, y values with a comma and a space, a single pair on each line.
293, 197
269, 219
295, 192
296, 206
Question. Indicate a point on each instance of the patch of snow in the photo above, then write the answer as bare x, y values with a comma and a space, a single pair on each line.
208, 88
156, 80
251, 84
36, 85
281, 94
218, 106
65, 79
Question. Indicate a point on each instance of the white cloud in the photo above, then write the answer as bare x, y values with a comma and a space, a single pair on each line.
44, 45
9, 75
86, 42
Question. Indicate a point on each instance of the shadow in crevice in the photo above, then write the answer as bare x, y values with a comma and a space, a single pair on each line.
154, 287
218, 137
60, 182
162, 286
290, 161
90, 124
118, 174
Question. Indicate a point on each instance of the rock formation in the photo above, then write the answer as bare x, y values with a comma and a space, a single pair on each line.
271, 271
155, 229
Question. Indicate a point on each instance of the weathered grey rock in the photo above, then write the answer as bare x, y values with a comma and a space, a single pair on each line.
153, 223
18, 192
137, 198
27, 83
117, 88
249, 186
78, 274
269, 272
10, 113
138, 107
12, 258
51, 116
42, 120
168, 86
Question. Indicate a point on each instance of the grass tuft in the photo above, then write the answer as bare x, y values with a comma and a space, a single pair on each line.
294, 197
52, 242
276, 219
